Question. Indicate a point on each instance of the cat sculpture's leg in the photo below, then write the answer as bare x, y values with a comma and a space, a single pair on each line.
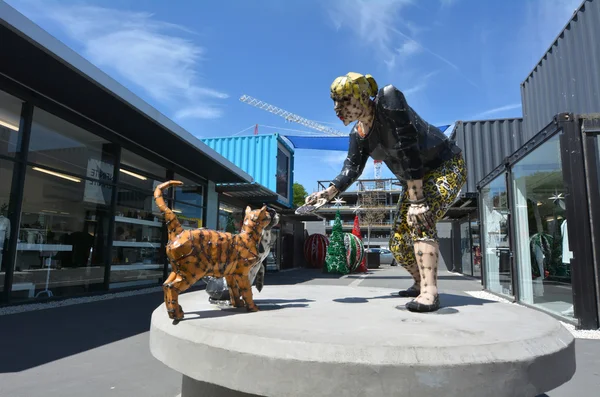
246, 291
167, 294
234, 291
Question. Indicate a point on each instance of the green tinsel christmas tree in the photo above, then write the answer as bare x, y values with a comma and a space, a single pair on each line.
335, 260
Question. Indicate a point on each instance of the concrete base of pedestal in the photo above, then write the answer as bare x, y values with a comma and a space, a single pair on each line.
354, 341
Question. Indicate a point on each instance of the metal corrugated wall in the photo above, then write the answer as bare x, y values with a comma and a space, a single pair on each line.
485, 144
567, 78
255, 154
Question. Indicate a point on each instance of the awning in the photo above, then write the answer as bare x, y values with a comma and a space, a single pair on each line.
465, 204
326, 142
251, 192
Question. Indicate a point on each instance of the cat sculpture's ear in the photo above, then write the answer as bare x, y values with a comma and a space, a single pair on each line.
248, 209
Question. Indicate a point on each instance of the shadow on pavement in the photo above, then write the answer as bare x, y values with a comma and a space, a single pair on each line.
263, 304
38, 337
298, 276
408, 277
447, 300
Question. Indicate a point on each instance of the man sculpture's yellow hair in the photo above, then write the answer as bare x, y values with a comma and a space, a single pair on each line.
354, 84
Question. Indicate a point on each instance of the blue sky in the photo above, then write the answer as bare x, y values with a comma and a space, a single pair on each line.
192, 60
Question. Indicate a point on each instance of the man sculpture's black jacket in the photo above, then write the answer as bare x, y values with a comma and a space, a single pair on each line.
407, 144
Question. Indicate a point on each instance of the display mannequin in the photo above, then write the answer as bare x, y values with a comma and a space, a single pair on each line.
4, 231
429, 166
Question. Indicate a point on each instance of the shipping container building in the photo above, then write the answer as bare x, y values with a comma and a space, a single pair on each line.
485, 144
566, 78
267, 158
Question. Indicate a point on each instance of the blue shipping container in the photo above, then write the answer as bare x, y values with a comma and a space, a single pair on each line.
267, 158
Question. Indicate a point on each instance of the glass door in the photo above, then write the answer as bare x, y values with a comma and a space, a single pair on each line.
497, 255
466, 247
542, 246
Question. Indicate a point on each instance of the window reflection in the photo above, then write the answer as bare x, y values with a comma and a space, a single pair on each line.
282, 176
60, 145
136, 251
476, 248
543, 251
466, 248
190, 193
139, 172
189, 216
6, 228
230, 218
496, 234
10, 119
62, 235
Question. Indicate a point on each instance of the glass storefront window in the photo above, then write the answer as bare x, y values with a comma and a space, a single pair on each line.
190, 193
542, 247
496, 234
230, 218
136, 250
10, 119
6, 172
476, 248
466, 248
60, 145
282, 176
139, 172
189, 216
62, 235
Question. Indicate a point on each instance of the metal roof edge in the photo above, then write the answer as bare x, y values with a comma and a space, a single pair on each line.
19, 23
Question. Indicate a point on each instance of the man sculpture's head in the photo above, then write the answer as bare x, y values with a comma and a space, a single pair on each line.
351, 95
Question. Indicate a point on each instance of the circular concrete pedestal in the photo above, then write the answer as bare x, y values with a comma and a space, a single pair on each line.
355, 341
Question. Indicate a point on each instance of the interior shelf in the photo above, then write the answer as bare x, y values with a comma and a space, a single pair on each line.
136, 221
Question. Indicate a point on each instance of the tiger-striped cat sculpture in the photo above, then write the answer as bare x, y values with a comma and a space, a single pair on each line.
197, 253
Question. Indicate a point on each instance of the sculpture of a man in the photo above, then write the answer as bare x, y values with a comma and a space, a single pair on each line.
430, 167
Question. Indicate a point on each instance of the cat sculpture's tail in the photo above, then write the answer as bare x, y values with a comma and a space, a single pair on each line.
173, 225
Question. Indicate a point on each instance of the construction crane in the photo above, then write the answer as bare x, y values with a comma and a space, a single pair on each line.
294, 118
291, 117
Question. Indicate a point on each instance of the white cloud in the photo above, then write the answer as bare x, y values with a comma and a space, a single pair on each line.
198, 112
370, 21
499, 109
152, 54
375, 23
420, 85
409, 48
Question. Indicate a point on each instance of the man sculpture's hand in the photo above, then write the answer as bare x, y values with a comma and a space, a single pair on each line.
323, 196
316, 200
419, 214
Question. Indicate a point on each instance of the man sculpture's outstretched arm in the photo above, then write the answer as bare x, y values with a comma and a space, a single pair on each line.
354, 164
353, 167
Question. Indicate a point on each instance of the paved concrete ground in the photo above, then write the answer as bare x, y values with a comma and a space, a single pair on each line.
101, 348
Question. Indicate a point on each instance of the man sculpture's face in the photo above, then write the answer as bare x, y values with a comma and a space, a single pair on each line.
348, 109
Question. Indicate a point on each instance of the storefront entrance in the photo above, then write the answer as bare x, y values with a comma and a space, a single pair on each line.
538, 223
495, 225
